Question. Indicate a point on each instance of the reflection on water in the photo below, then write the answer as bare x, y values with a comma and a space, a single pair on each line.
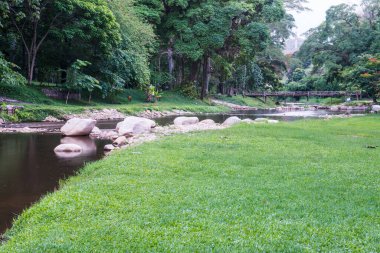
29, 168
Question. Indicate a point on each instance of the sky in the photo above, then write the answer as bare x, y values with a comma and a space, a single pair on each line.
310, 19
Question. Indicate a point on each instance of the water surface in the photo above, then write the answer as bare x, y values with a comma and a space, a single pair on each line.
29, 168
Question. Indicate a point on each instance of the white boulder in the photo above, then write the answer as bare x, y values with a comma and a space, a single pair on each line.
272, 121
96, 131
109, 147
207, 122
376, 108
232, 121
261, 120
78, 127
134, 125
185, 121
120, 141
248, 121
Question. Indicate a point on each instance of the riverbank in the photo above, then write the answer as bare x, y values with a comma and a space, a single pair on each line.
249, 187
37, 107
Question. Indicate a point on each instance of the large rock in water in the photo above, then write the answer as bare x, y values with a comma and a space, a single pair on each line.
78, 127
232, 121
185, 121
134, 125
376, 108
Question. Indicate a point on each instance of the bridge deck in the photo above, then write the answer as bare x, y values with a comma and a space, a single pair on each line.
304, 94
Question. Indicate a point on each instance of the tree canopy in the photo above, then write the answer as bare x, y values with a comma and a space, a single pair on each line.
201, 45
337, 52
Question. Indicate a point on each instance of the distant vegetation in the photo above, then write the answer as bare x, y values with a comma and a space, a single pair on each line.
343, 53
100, 47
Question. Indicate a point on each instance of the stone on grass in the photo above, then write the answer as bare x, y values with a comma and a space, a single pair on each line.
185, 121
334, 108
78, 127
272, 121
232, 121
120, 141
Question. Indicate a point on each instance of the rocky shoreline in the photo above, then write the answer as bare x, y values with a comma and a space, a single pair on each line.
113, 114
136, 130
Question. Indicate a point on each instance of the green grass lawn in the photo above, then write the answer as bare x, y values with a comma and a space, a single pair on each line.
43, 106
305, 186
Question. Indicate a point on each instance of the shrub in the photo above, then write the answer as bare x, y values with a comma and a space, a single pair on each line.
8, 76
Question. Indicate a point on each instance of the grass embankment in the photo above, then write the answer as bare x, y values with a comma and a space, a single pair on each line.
304, 186
43, 106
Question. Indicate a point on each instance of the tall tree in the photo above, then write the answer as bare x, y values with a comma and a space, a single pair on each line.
33, 21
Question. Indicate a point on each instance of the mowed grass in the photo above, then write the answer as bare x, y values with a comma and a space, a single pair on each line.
306, 186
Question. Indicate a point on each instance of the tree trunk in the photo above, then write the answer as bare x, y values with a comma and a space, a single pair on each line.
179, 71
194, 69
67, 96
221, 87
31, 65
171, 66
206, 76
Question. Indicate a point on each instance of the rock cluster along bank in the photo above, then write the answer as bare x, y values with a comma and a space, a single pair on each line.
135, 130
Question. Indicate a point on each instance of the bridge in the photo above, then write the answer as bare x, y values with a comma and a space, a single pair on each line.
307, 94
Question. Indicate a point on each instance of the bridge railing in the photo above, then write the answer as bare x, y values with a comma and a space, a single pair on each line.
303, 94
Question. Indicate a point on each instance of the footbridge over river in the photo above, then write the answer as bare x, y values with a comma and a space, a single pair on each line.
307, 94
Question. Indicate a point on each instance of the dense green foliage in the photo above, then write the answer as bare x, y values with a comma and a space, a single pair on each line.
196, 47
8, 75
337, 54
259, 189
